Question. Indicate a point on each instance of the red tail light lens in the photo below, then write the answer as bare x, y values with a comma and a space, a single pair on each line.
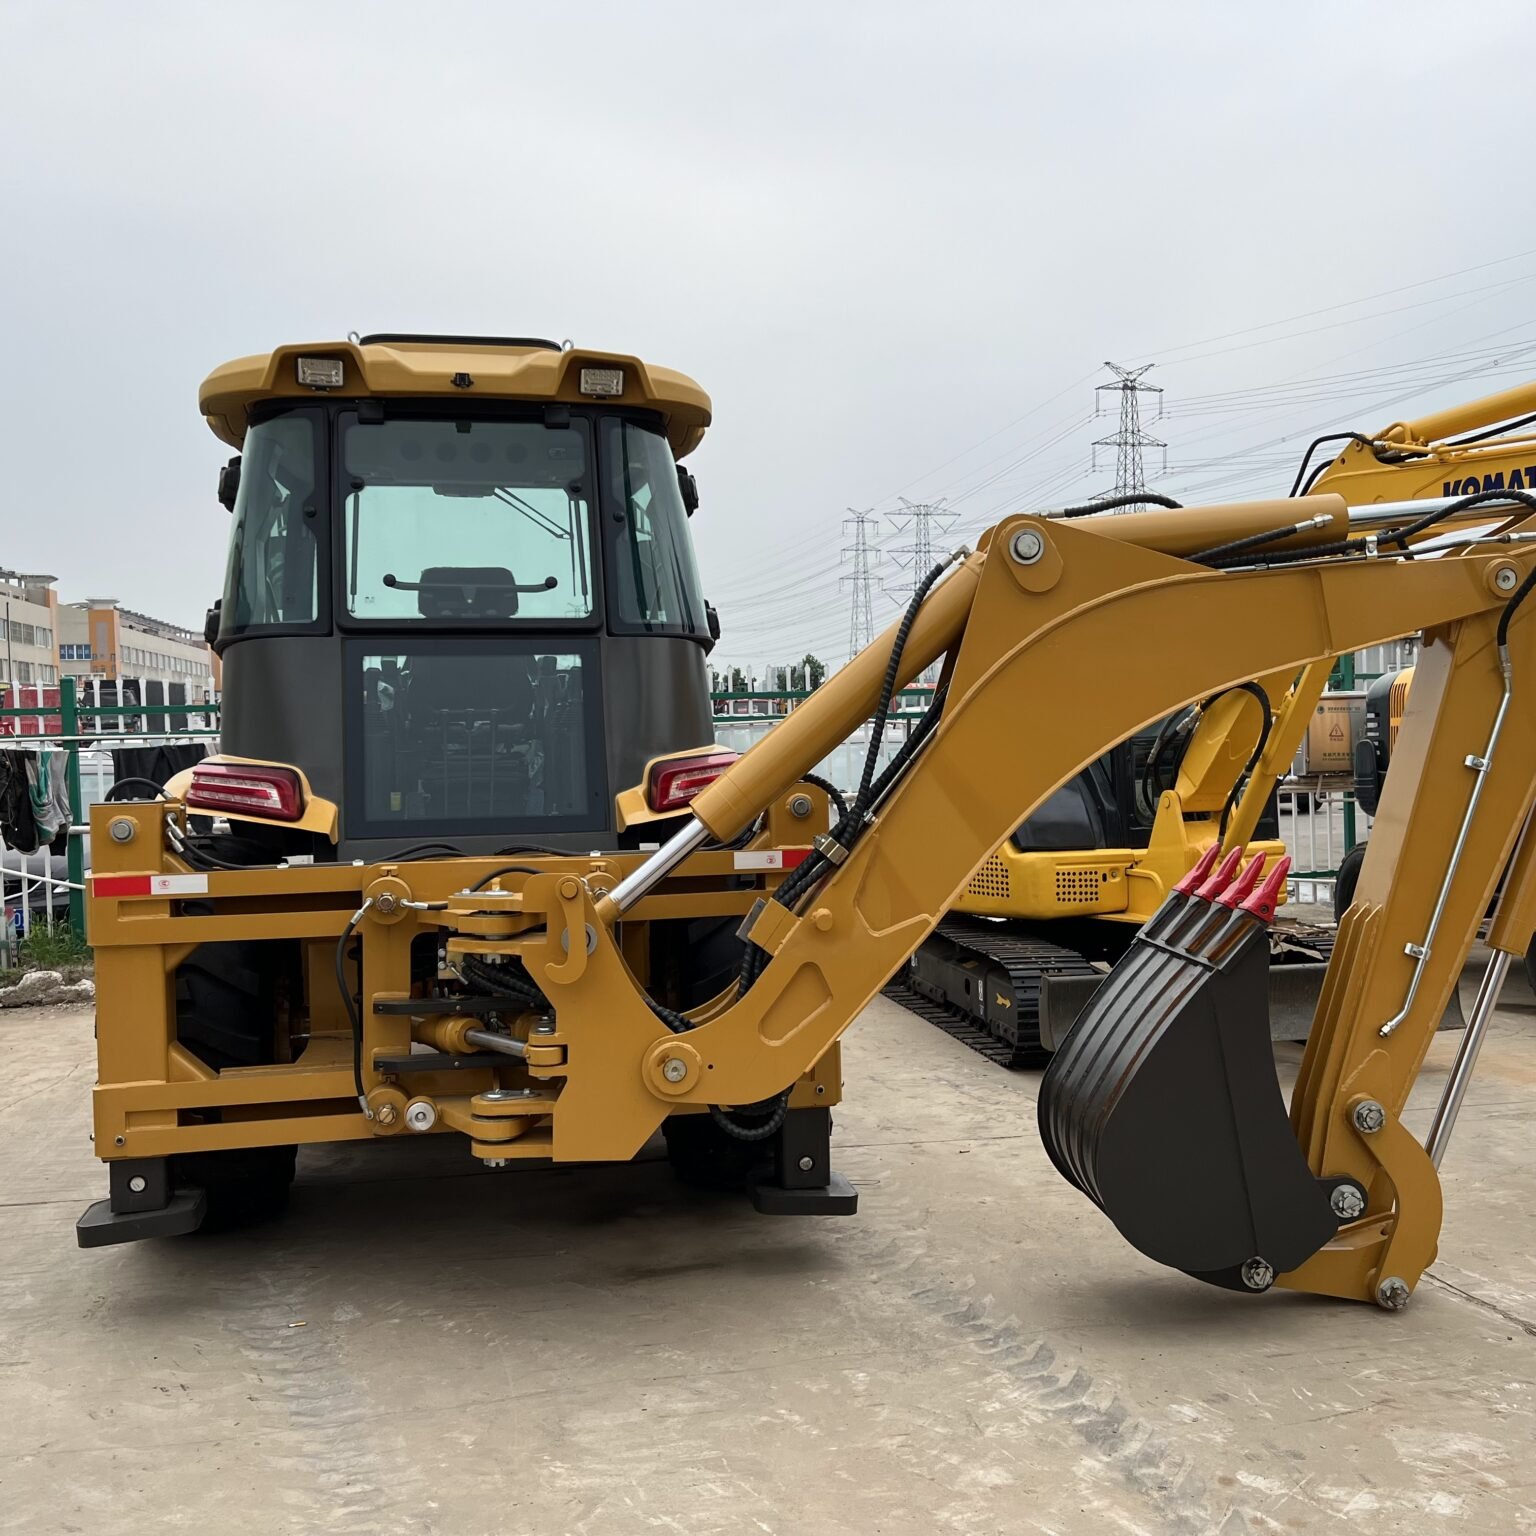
253, 789
675, 783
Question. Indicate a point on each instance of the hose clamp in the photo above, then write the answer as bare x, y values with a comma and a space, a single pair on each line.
830, 849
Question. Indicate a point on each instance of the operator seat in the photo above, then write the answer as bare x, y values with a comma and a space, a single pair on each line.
469, 687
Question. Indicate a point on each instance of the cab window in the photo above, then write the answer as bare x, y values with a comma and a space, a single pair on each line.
273, 579
652, 576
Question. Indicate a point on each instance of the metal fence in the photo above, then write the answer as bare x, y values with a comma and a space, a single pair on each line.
81, 725
1319, 823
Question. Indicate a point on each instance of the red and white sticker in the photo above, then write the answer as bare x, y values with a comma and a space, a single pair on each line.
149, 885
773, 858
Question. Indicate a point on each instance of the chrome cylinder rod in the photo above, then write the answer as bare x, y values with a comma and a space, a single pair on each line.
639, 882
489, 1040
1466, 1055
1382, 514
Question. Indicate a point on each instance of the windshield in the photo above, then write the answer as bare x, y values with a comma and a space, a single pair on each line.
655, 581
273, 579
466, 520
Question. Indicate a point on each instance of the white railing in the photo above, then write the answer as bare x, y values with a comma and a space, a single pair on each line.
1316, 820
36, 884
843, 766
37, 888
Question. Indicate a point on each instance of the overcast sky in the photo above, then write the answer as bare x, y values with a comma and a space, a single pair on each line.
894, 242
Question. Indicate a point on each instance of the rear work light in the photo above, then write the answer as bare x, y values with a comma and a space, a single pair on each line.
602, 381
250, 789
673, 784
321, 372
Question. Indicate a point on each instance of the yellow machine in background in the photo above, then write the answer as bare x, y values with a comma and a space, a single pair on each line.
1090, 867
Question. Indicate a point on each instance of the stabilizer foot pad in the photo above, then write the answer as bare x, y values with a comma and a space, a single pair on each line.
837, 1197
101, 1225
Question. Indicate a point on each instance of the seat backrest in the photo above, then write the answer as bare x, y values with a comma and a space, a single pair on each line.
471, 687
467, 592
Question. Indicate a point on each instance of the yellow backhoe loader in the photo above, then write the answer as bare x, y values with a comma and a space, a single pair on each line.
1010, 967
525, 1002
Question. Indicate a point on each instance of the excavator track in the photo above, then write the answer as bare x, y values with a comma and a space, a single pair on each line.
979, 981
1011, 1037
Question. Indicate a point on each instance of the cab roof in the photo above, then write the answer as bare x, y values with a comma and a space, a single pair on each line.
423, 367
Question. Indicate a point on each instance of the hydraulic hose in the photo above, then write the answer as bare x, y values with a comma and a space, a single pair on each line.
1253, 757
1139, 499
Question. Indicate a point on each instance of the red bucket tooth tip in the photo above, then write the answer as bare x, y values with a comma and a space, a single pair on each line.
1244, 883
1265, 901
1197, 875
1222, 878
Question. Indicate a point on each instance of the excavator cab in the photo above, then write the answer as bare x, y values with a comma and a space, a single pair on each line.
461, 596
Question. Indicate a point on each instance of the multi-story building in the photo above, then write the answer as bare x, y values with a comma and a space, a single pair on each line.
101, 639
29, 640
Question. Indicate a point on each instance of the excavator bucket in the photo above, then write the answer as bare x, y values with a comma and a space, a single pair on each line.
1162, 1104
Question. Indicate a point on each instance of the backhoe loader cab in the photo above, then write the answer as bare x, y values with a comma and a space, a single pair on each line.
461, 602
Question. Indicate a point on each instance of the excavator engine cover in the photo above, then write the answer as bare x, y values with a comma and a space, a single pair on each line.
1163, 1107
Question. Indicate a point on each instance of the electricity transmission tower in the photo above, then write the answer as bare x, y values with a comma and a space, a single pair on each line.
918, 521
1129, 441
861, 580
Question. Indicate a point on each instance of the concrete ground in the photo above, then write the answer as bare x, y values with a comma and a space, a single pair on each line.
425, 1347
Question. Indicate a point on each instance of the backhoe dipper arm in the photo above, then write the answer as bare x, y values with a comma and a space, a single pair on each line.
1045, 615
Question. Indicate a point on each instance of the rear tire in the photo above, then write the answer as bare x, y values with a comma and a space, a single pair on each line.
705, 1157
1346, 880
244, 1186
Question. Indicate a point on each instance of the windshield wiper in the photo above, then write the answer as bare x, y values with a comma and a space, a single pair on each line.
529, 511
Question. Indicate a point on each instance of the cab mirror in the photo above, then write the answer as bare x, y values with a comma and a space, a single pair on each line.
229, 484
712, 619
690, 490
211, 621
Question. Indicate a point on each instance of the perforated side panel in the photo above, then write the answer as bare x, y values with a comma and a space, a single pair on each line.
1078, 886
990, 880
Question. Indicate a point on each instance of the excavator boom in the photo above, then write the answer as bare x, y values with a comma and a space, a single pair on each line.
1024, 621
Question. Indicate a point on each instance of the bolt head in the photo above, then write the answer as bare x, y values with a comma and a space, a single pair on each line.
1369, 1117
1506, 578
1347, 1202
421, 1114
138, 1184
121, 829
1257, 1275
386, 903
806, 1164
800, 805
674, 1069
1392, 1294
386, 1114
1026, 546
494, 1162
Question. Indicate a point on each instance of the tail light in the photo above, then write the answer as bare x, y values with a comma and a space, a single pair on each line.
673, 784
251, 789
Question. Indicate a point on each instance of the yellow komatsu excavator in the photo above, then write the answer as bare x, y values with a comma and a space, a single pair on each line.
1008, 969
516, 1003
